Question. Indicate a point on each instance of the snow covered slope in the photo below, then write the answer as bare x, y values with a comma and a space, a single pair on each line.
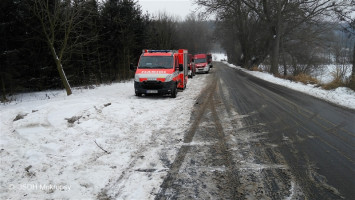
96, 142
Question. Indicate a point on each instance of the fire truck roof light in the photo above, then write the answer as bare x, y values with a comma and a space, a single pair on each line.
156, 51
159, 51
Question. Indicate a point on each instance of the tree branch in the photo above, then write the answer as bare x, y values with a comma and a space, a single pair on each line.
101, 148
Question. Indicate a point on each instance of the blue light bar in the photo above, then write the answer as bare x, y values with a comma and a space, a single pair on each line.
159, 51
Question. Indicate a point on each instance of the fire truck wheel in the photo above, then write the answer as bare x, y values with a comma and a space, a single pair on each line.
174, 92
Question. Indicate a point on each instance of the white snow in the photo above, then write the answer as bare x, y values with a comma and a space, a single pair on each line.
326, 73
43, 156
341, 96
219, 57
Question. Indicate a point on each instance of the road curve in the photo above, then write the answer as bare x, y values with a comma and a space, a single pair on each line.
251, 139
317, 139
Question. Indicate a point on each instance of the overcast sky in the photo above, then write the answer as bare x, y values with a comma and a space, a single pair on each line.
179, 8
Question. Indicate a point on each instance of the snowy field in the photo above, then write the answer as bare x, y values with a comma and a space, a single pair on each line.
55, 146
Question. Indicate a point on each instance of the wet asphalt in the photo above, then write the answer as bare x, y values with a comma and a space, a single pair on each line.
251, 139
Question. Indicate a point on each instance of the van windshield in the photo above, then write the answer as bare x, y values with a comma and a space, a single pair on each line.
156, 62
200, 60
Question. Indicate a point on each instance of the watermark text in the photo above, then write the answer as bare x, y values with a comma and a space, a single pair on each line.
44, 187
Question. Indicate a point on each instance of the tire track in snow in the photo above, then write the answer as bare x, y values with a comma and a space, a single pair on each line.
199, 111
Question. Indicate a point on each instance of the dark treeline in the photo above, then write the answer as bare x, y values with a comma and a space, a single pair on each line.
51, 44
48, 44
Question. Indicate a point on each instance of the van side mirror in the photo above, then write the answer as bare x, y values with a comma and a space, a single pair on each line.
181, 67
132, 67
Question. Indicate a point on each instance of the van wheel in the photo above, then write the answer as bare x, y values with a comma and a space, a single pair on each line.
138, 94
174, 93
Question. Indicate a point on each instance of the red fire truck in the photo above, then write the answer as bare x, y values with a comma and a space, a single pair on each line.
192, 68
201, 63
161, 72
209, 59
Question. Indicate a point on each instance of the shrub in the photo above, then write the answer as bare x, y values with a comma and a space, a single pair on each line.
256, 68
339, 79
304, 78
334, 84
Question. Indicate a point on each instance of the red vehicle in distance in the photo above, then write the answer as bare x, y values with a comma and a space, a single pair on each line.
209, 59
201, 63
192, 67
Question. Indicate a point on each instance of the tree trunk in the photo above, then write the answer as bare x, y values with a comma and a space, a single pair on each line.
4, 99
275, 55
276, 42
285, 65
352, 78
64, 78
99, 72
61, 71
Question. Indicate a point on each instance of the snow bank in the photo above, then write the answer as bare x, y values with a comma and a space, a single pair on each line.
341, 96
61, 147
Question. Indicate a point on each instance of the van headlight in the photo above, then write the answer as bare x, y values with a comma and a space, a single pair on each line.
169, 78
136, 78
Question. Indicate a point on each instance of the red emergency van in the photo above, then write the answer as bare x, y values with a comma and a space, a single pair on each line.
161, 72
201, 63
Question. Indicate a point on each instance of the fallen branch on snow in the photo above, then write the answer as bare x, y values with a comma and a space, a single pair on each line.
101, 148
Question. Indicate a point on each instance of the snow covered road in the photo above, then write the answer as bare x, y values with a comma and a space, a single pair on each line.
251, 139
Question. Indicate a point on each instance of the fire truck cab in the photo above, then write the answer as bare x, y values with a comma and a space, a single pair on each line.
161, 72
201, 63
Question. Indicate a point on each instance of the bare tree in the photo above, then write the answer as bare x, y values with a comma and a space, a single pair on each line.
277, 17
250, 37
195, 35
345, 15
57, 19
163, 31
284, 16
302, 50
